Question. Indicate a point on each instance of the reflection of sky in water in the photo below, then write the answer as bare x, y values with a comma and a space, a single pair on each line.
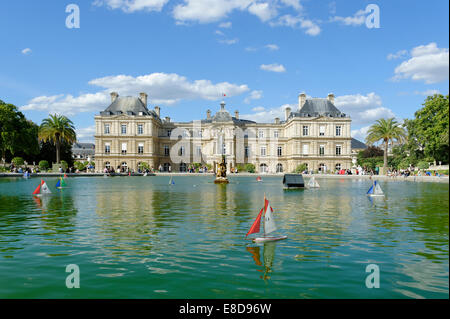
139, 237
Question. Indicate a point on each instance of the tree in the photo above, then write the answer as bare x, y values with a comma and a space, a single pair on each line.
387, 131
428, 132
17, 134
57, 129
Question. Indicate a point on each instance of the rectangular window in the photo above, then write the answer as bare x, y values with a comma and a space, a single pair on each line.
261, 134
169, 132
321, 130
246, 151
140, 129
305, 130
263, 151
107, 129
305, 149
279, 151
141, 148
338, 149
276, 134
124, 148
107, 148
182, 151
322, 150
338, 130
123, 128
166, 150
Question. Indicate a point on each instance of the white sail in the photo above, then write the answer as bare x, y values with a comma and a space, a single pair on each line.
45, 189
378, 190
313, 183
269, 221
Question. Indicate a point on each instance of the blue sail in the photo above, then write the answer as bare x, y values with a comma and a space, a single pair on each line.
370, 191
58, 184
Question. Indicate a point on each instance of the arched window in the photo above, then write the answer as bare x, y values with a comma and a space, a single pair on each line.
182, 167
263, 168
166, 167
338, 166
279, 168
321, 167
107, 165
124, 166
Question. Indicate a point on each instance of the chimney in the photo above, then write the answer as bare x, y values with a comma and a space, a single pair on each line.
143, 97
208, 114
236, 114
287, 112
157, 111
114, 96
277, 120
301, 100
167, 119
331, 97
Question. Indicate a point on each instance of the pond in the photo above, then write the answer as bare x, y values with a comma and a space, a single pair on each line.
139, 237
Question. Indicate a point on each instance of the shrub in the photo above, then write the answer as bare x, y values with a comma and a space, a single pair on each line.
43, 165
79, 165
300, 168
17, 161
64, 165
144, 166
422, 165
249, 168
404, 163
240, 168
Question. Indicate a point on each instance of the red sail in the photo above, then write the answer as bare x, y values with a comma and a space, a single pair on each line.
256, 224
37, 190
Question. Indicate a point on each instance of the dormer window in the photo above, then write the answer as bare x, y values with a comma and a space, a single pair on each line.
141, 113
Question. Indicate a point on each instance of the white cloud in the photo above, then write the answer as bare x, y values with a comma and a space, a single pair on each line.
26, 51
258, 109
309, 27
86, 134
398, 55
359, 18
272, 47
360, 134
427, 92
130, 6
162, 88
275, 67
251, 49
263, 115
263, 10
229, 41
254, 95
218, 32
225, 25
293, 3
206, 11
363, 109
428, 63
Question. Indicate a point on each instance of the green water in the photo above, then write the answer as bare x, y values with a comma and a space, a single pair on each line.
138, 237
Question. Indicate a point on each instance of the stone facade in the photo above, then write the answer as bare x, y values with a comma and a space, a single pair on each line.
316, 134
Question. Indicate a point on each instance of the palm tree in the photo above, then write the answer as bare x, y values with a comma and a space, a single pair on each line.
388, 131
57, 128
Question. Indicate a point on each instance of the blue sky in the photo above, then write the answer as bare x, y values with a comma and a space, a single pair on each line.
186, 53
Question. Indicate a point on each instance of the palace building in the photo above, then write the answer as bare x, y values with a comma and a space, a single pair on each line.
316, 134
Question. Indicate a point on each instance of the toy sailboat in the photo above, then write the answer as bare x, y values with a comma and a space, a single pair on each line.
375, 190
313, 183
61, 183
42, 189
171, 181
268, 225
259, 179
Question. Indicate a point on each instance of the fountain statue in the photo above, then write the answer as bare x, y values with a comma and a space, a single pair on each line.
221, 176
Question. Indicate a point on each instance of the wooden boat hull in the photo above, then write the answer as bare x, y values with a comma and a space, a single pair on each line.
267, 239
